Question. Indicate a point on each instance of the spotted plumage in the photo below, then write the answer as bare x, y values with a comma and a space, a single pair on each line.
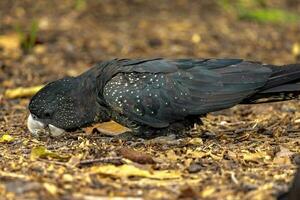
157, 93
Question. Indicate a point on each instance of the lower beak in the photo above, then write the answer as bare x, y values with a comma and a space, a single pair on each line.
38, 128
55, 131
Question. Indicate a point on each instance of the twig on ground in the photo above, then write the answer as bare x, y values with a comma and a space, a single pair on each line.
113, 160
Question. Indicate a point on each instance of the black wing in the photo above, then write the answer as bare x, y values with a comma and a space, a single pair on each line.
157, 92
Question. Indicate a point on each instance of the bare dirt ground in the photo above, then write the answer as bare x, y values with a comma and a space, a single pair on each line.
247, 152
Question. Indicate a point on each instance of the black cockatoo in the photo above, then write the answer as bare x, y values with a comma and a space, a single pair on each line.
294, 191
153, 94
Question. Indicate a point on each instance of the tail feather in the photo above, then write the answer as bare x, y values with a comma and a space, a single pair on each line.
284, 84
283, 75
292, 87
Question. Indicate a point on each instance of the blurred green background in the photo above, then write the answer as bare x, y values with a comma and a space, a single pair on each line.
50, 39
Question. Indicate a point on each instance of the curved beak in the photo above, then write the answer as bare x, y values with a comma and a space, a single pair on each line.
55, 131
38, 128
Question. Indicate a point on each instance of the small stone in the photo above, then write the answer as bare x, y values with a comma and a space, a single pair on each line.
296, 159
194, 168
209, 135
154, 42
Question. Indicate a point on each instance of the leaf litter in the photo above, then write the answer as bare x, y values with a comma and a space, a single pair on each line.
247, 152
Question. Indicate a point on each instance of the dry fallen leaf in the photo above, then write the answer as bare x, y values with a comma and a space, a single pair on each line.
51, 188
12, 175
296, 49
171, 155
208, 191
196, 141
92, 197
232, 155
283, 157
136, 156
10, 41
6, 138
22, 92
74, 160
188, 193
130, 170
11, 44
254, 157
42, 152
196, 154
67, 178
196, 38
108, 128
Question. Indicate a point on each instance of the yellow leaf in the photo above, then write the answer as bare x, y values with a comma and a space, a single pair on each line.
22, 92
215, 157
10, 41
196, 38
108, 128
39, 49
6, 138
51, 188
296, 49
42, 152
179, 26
11, 44
171, 155
207, 192
232, 155
196, 141
130, 170
255, 156
67, 178
196, 154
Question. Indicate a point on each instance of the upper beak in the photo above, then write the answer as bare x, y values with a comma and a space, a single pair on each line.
38, 128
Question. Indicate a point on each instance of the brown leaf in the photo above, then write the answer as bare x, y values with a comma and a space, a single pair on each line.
188, 193
136, 156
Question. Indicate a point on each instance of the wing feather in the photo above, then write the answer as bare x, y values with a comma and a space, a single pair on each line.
157, 92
